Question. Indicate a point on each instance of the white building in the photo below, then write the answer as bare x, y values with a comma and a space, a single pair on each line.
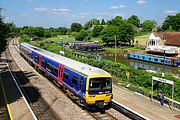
168, 41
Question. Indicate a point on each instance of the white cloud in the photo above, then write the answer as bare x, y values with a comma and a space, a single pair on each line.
141, 2
80, 16
110, 14
169, 12
118, 7
41, 9
61, 10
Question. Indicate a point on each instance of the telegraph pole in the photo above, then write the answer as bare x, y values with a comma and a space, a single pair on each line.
162, 102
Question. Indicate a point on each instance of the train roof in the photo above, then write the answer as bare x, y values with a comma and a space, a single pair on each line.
73, 64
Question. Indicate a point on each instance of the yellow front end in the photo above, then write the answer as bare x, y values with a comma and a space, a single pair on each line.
100, 96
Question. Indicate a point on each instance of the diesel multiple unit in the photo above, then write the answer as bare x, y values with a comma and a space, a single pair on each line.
88, 85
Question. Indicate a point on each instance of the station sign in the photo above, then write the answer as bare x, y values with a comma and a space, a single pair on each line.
163, 80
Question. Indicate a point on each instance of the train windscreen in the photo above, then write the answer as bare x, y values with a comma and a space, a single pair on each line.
100, 84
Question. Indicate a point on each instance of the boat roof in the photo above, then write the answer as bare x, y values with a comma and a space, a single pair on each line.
151, 55
73, 64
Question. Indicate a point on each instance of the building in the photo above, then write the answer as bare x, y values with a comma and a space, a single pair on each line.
164, 41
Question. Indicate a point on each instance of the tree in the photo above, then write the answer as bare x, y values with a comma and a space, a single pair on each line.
13, 30
103, 22
173, 21
126, 33
97, 30
134, 20
109, 33
62, 30
91, 23
170, 29
82, 36
76, 27
39, 31
118, 30
117, 21
47, 34
147, 25
3, 33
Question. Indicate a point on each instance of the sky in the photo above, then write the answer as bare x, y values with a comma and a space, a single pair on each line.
62, 13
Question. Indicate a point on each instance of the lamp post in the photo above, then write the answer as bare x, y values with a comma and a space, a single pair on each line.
162, 102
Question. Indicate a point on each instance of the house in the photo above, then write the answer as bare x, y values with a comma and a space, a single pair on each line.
164, 41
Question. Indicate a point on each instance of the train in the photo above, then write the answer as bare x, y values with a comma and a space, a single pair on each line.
89, 86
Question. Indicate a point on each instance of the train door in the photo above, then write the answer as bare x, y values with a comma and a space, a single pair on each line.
82, 87
40, 60
60, 73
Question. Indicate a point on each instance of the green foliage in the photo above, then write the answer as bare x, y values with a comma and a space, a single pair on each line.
97, 30
170, 29
173, 21
147, 25
82, 36
74, 33
47, 34
134, 20
108, 34
62, 30
88, 25
76, 27
117, 21
13, 30
103, 22
3, 33
33, 31
25, 38
118, 30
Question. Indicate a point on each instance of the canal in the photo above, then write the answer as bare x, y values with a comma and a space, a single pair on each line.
121, 57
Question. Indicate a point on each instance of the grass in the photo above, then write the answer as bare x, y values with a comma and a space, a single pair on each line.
68, 38
142, 40
64, 38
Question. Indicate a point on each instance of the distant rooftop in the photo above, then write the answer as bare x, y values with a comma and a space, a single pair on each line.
170, 38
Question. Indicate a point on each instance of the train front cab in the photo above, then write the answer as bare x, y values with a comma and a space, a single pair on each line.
99, 91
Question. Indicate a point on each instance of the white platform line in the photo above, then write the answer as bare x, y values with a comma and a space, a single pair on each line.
34, 116
131, 110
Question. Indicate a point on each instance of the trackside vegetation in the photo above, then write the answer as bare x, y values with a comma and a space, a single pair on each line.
139, 80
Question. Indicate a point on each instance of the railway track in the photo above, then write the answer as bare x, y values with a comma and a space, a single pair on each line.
102, 116
39, 106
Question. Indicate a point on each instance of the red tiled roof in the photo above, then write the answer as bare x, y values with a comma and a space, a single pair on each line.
171, 38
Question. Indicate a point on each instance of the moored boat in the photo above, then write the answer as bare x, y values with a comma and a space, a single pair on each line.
171, 61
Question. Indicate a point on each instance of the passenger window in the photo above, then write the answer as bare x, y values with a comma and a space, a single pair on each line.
81, 83
35, 57
74, 80
48, 66
43, 62
55, 70
66, 75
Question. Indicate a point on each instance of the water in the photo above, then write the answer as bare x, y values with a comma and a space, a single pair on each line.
121, 57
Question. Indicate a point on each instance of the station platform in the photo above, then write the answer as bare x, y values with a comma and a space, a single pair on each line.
17, 108
144, 106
